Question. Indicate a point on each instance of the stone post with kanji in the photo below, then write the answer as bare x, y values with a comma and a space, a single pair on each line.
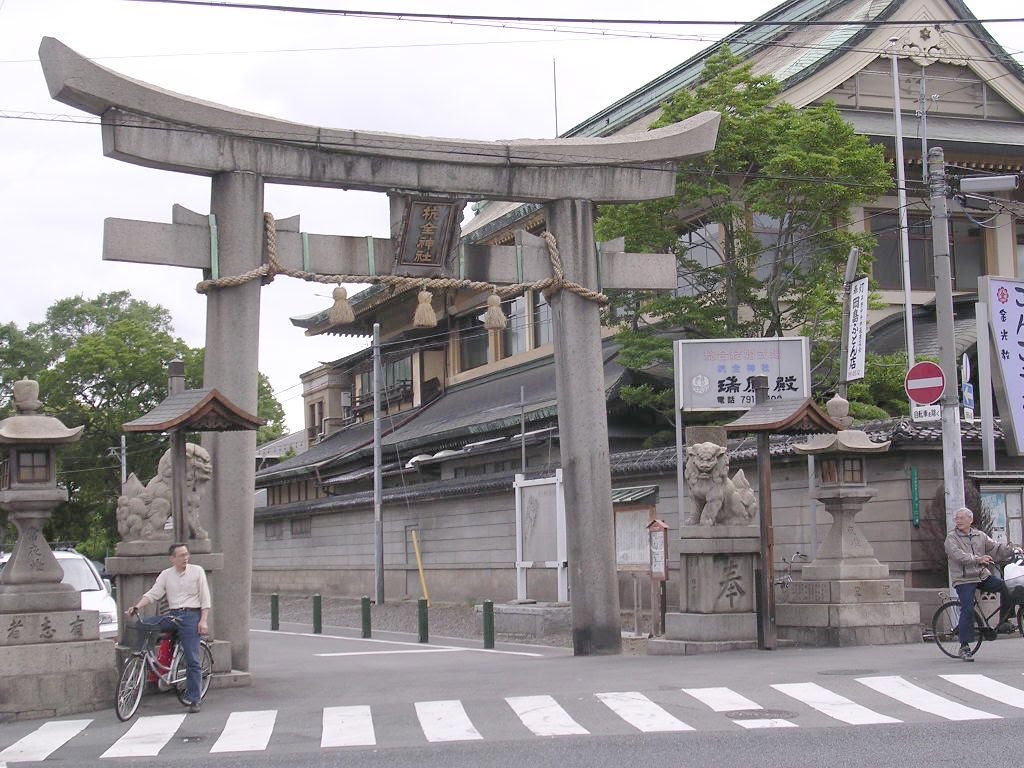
53, 660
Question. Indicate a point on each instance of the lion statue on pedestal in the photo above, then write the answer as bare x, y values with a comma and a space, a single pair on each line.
142, 511
717, 500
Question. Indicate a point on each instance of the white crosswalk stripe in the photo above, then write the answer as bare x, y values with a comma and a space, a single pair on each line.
246, 731
832, 704
348, 727
541, 715
146, 737
544, 716
445, 721
914, 696
986, 686
44, 741
727, 700
642, 713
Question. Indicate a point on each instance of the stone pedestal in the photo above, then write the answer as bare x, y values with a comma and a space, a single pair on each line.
717, 610
845, 597
136, 566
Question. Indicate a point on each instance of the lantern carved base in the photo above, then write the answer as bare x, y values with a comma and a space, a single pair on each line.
716, 594
845, 597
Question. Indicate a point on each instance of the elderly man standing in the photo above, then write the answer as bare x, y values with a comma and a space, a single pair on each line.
188, 610
971, 554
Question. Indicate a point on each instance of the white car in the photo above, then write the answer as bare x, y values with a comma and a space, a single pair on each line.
80, 573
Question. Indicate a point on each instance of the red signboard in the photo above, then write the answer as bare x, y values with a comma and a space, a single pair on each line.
925, 383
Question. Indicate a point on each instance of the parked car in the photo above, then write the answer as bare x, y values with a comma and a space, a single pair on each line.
81, 573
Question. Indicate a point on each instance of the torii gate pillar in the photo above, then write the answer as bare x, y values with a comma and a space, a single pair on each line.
583, 436
232, 354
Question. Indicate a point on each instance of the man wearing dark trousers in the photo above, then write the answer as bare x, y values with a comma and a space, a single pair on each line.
972, 553
188, 610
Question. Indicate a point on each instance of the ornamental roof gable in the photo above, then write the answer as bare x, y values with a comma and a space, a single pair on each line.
816, 63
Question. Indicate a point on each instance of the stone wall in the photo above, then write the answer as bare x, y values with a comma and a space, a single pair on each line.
468, 543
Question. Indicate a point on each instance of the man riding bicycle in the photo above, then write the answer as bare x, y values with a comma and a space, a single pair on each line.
971, 554
188, 610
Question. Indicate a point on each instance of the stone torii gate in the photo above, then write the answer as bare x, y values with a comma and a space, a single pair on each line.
241, 152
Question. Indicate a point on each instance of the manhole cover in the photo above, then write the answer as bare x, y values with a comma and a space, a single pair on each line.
192, 739
850, 672
759, 714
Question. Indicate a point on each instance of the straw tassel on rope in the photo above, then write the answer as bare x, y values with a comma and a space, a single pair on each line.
494, 318
341, 313
425, 316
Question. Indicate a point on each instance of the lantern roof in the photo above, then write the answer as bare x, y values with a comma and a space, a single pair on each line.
195, 410
793, 417
38, 428
30, 426
844, 441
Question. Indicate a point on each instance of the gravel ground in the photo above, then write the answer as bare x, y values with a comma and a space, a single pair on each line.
444, 619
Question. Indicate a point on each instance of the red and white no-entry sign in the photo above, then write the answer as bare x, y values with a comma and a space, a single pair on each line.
925, 383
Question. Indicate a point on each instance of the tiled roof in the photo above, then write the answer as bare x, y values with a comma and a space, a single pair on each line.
482, 406
626, 467
197, 410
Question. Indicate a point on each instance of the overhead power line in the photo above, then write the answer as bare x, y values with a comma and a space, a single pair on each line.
453, 17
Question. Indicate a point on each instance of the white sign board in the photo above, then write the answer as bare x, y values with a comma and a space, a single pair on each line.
1005, 300
920, 413
659, 557
631, 540
540, 531
855, 340
715, 374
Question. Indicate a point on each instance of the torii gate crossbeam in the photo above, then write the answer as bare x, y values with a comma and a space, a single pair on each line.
242, 151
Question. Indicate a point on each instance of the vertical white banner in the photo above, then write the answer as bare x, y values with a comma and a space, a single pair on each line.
1006, 317
855, 340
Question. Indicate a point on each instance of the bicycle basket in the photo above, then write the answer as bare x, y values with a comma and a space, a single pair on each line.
1013, 576
140, 635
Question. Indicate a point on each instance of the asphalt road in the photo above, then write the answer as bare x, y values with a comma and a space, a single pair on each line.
334, 699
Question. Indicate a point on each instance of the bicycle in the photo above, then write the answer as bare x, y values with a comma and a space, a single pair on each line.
946, 620
145, 657
786, 578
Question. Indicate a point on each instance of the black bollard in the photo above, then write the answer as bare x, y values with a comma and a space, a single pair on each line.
275, 615
365, 610
318, 625
488, 624
424, 629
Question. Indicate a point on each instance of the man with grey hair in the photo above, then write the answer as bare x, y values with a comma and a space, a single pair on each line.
972, 553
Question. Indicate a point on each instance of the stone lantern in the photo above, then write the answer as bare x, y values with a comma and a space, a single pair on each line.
845, 595
31, 580
54, 662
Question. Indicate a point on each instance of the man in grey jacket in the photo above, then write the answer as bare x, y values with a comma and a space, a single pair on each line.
972, 553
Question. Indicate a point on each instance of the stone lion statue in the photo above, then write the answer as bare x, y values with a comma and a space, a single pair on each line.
142, 511
717, 500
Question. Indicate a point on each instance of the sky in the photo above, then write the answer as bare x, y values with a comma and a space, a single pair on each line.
430, 79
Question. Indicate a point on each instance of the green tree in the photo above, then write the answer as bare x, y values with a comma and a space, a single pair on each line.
882, 385
102, 362
759, 226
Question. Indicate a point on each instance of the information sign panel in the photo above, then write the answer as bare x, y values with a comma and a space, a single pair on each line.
715, 374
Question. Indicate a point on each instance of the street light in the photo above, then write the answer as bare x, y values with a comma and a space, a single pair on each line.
989, 183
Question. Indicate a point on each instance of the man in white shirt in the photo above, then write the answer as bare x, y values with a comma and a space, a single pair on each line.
188, 610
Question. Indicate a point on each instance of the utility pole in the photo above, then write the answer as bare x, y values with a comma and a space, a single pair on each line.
901, 200
113, 452
952, 455
378, 513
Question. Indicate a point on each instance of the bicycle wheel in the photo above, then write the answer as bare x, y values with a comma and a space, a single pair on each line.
129, 687
944, 629
205, 661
